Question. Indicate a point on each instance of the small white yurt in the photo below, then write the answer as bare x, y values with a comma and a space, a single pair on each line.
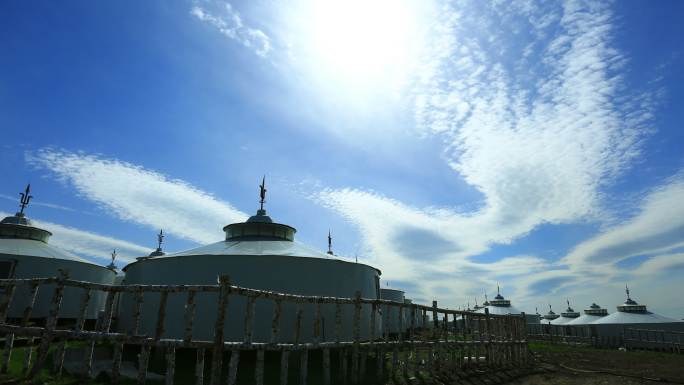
26, 253
391, 314
259, 254
568, 315
631, 312
591, 314
499, 305
550, 316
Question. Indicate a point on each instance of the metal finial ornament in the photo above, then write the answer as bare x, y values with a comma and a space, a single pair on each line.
627, 291
262, 193
497, 288
160, 239
550, 310
112, 266
486, 299
25, 199
329, 243
568, 301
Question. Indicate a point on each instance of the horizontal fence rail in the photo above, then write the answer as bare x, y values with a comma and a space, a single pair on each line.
421, 341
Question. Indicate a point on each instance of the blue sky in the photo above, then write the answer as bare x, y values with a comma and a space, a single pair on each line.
452, 145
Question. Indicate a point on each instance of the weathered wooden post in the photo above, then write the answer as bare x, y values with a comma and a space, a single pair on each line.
116, 361
143, 361
137, 308
357, 336
50, 323
275, 321
161, 316
170, 365
217, 354
24, 322
189, 316
199, 367
233, 366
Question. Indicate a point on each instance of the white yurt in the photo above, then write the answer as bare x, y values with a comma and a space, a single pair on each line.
26, 253
260, 254
392, 311
591, 314
550, 316
631, 312
568, 315
499, 305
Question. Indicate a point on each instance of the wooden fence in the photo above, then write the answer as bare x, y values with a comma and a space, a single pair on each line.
433, 337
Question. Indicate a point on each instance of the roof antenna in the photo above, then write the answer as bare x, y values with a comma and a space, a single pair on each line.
262, 193
329, 243
25, 199
111, 265
160, 239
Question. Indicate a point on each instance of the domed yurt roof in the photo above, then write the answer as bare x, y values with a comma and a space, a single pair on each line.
499, 305
550, 316
568, 315
259, 235
591, 314
631, 312
18, 236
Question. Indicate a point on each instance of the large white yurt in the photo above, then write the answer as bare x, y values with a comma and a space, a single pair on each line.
631, 312
391, 314
568, 315
26, 253
258, 254
591, 314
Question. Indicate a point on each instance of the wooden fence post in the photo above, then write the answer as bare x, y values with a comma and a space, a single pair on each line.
357, 336
50, 323
217, 354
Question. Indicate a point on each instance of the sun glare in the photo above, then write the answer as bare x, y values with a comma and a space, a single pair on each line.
363, 43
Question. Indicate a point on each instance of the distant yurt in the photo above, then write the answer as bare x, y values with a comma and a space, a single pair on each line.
631, 312
591, 314
550, 316
568, 315
26, 253
258, 254
391, 314
502, 306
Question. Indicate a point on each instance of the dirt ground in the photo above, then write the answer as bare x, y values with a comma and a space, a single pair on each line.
567, 365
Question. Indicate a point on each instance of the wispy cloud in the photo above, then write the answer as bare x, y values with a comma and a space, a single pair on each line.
91, 246
135, 194
534, 113
222, 16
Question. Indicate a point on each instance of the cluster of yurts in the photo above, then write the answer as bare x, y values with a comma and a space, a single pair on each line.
258, 253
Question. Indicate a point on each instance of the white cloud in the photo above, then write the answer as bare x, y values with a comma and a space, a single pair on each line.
138, 195
540, 124
658, 228
228, 21
90, 245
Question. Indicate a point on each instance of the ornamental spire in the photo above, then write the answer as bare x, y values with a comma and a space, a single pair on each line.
627, 291
160, 239
329, 243
111, 265
25, 199
262, 193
